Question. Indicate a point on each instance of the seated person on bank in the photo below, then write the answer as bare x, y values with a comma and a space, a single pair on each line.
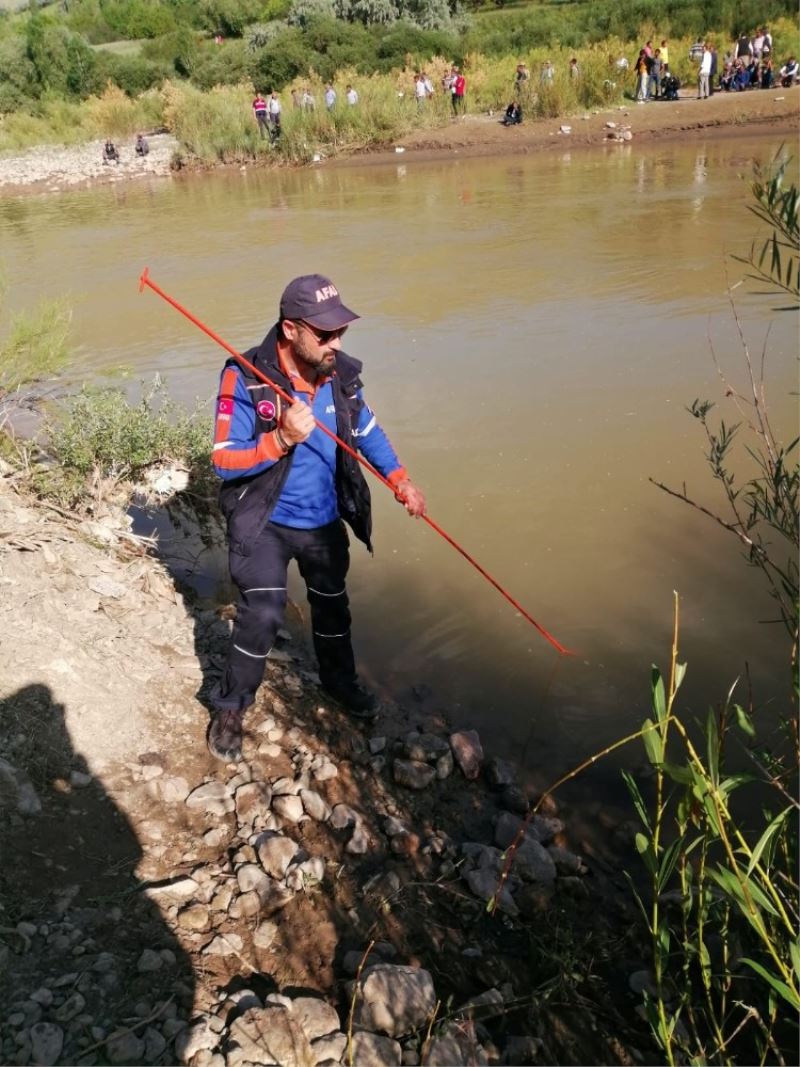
513, 115
789, 72
142, 147
110, 153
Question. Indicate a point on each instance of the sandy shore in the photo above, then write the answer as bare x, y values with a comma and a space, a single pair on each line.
53, 168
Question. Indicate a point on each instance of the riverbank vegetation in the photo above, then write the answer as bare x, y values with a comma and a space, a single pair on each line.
103, 68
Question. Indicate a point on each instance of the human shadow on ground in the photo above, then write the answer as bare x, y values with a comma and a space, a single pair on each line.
84, 954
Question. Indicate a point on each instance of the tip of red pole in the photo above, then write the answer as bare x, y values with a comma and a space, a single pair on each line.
143, 279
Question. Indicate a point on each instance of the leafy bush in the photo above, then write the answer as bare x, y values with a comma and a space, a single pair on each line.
99, 432
134, 74
225, 64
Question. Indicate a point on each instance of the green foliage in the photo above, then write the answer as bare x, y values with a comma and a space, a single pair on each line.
777, 264
723, 902
98, 432
134, 74
35, 347
226, 64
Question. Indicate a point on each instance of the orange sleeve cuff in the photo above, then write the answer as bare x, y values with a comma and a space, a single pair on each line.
269, 447
397, 476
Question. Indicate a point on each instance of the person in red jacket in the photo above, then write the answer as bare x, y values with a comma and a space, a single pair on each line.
260, 112
458, 89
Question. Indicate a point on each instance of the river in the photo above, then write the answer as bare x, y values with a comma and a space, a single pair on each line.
533, 329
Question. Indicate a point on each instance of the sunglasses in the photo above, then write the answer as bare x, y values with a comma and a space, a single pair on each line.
323, 336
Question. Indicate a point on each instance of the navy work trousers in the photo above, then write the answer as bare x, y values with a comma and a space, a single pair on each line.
323, 558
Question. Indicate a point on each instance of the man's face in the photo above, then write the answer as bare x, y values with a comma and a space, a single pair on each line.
315, 347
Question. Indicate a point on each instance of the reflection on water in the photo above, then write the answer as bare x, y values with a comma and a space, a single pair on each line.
532, 332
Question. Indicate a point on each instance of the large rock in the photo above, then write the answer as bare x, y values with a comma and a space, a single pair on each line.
47, 1040
276, 852
413, 774
372, 1050
424, 747
394, 1000
212, 798
455, 1044
269, 1035
252, 802
533, 862
483, 882
316, 1016
466, 746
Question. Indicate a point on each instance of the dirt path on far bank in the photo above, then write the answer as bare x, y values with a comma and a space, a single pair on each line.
483, 135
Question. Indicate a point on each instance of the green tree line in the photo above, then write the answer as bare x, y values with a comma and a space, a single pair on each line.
73, 49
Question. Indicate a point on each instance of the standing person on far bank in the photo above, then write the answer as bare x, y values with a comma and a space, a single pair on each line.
274, 108
351, 96
330, 97
704, 73
287, 487
459, 91
260, 114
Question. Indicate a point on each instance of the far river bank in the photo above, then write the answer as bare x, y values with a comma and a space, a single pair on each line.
56, 168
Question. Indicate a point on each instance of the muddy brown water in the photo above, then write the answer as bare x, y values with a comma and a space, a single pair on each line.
532, 331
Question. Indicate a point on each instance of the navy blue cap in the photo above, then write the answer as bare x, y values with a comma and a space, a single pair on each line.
314, 299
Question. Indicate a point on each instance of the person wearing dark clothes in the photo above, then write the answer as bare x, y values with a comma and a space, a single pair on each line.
714, 69
142, 147
287, 491
110, 153
513, 115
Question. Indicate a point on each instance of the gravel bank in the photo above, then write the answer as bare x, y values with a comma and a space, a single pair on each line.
51, 168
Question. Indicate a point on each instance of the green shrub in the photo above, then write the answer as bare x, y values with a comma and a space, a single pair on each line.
99, 432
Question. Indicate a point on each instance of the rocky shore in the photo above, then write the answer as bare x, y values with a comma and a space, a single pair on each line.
323, 902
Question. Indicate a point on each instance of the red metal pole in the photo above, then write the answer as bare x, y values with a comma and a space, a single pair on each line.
145, 280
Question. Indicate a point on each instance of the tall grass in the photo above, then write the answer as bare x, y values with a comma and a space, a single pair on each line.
35, 346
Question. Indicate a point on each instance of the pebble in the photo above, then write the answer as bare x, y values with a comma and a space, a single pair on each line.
149, 961
264, 934
127, 1048
71, 1007
288, 807
42, 996
413, 774
227, 945
358, 843
47, 1041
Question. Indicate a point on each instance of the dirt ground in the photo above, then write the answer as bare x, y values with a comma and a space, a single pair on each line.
106, 663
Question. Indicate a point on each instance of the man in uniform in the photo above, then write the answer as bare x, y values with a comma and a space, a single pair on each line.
287, 487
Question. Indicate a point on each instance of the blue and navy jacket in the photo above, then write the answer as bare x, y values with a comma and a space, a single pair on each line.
317, 481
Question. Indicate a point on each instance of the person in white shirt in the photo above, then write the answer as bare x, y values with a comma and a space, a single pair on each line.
704, 75
420, 92
351, 96
330, 97
274, 115
789, 72
428, 84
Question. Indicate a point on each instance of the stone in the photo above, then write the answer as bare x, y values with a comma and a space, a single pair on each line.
513, 799
269, 1035
500, 773
405, 843
454, 1045
566, 862
252, 877
534, 899
413, 774
329, 1049
394, 1000
126, 1048
325, 772
372, 1050
285, 787
316, 1017
72, 1006
193, 1039
468, 753
392, 826
79, 779
154, 1044
314, 805
376, 745
483, 884
507, 827
533, 862
195, 917
264, 934
212, 798
252, 802
173, 790
222, 898
424, 747
224, 945
359, 842
444, 765
175, 892
42, 996
149, 961
245, 905
546, 827
342, 817
288, 807
47, 1041
275, 853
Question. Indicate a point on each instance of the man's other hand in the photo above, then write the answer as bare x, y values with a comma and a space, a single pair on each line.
410, 497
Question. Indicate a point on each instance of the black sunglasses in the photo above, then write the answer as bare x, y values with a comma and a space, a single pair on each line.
323, 336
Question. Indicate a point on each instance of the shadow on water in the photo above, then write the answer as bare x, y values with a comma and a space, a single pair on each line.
73, 923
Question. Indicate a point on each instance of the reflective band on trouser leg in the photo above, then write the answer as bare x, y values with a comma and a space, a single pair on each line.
259, 614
